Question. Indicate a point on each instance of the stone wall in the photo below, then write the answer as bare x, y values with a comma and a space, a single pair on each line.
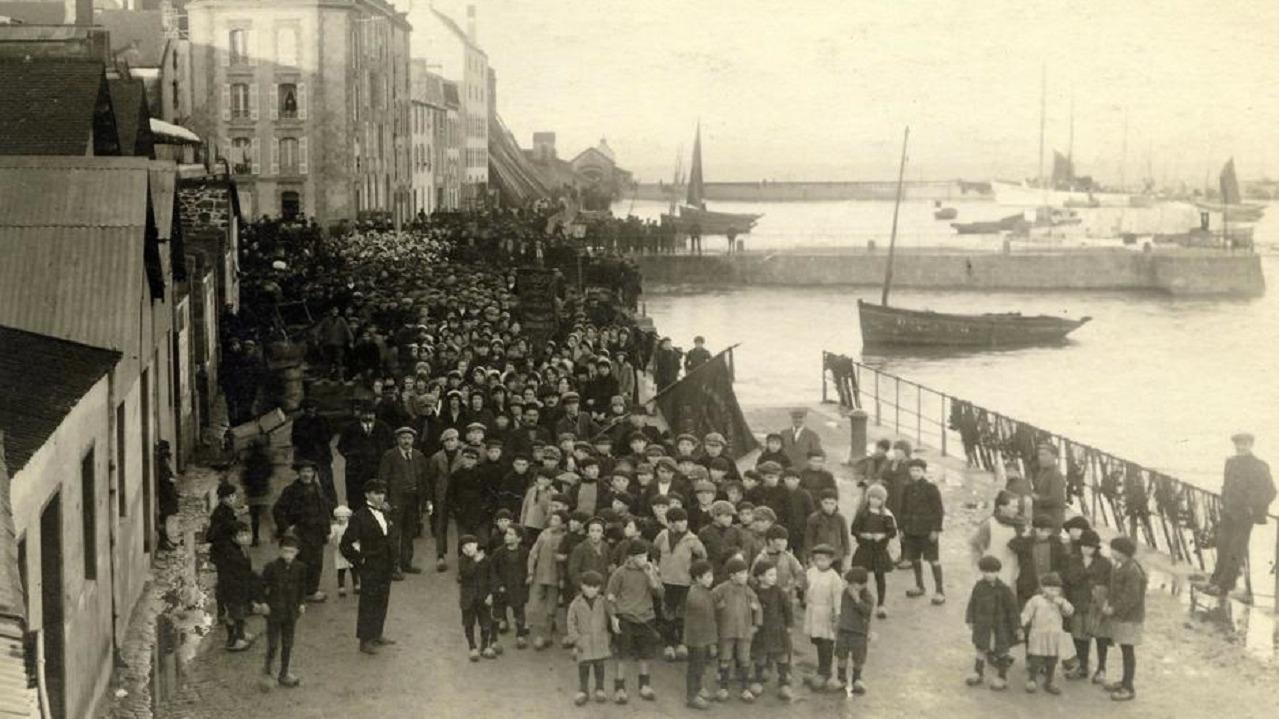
204, 204
1181, 272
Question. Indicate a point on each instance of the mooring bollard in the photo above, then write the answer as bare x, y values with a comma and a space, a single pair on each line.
857, 435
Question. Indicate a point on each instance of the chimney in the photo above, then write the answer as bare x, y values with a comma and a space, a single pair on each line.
470, 24
78, 12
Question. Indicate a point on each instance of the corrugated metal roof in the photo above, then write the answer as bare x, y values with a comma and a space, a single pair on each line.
78, 283
42, 379
48, 106
73, 191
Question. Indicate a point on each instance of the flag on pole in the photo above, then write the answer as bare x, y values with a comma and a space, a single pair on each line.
704, 402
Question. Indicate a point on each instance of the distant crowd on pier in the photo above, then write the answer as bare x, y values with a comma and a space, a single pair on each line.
572, 516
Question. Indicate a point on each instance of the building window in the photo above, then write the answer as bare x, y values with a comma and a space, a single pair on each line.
288, 101
238, 46
242, 156
89, 515
286, 46
239, 101
289, 155
290, 205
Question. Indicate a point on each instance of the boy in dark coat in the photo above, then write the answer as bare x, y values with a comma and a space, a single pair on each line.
468, 497
239, 588
854, 627
1038, 554
828, 526
771, 644
284, 591
701, 634
304, 510
797, 508
921, 524
221, 537
722, 538
995, 622
510, 588
475, 596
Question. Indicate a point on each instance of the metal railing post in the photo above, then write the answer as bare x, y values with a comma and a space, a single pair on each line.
941, 423
824, 378
897, 405
919, 416
878, 411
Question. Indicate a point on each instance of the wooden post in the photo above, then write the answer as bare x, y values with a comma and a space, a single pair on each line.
897, 405
824, 377
919, 415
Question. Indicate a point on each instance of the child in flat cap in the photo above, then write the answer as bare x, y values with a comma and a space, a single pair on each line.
994, 623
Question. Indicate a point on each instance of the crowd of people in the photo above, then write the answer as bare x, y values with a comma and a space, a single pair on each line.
577, 517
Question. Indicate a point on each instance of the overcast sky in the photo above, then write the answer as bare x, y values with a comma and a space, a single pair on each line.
810, 89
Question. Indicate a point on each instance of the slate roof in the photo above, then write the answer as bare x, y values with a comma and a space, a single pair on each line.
48, 106
42, 379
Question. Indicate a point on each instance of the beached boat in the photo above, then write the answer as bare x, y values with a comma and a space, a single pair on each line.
888, 326
694, 218
885, 326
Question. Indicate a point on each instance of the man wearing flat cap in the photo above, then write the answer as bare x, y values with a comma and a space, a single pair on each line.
574, 419
404, 469
305, 512
441, 467
1246, 494
798, 440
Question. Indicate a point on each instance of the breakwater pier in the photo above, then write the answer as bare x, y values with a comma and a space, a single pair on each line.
1180, 272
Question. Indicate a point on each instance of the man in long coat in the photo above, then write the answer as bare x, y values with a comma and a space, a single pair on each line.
1246, 494
362, 443
304, 510
404, 470
368, 546
310, 439
798, 440
1049, 486
440, 468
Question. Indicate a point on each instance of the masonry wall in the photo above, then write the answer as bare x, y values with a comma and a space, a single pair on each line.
1177, 272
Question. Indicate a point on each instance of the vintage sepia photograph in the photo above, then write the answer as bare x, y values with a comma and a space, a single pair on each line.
532, 359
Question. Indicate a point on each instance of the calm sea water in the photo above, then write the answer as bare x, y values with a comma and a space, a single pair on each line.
1158, 380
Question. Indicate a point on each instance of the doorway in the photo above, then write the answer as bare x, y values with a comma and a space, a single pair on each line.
51, 612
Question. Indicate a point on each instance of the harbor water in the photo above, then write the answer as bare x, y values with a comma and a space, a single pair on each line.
1155, 379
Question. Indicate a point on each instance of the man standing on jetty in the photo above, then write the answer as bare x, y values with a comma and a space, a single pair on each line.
798, 440
1246, 494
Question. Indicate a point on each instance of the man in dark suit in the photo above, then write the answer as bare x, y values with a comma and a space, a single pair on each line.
362, 443
305, 512
1246, 494
368, 546
798, 440
404, 469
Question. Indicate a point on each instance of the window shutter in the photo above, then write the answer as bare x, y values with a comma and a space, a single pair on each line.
274, 100
226, 101
253, 101
255, 150
301, 97
303, 159
275, 156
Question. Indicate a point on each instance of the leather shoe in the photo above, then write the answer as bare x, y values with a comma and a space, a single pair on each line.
441, 565
368, 648
413, 570
383, 641
397, 577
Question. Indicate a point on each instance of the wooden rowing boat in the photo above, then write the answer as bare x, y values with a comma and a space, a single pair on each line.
894, 326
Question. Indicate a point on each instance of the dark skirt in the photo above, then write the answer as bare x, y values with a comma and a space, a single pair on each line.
873, 556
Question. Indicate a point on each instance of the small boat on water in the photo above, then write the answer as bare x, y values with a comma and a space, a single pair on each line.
694, 218
885, 326
1232, 205
944, 213
888, 326
1044, 217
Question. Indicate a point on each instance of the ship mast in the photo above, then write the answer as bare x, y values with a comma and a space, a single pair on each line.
1043, 103
892, 242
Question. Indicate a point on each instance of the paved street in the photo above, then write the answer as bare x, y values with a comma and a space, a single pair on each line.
918, 656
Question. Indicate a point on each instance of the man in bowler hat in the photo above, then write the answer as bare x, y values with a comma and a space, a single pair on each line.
368, 545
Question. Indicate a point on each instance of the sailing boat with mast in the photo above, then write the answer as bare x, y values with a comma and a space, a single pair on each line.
1232, 204
884, 326
693, 216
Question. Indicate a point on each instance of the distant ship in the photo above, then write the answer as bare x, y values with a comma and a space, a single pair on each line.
1027, 195
694, 218
1232, 205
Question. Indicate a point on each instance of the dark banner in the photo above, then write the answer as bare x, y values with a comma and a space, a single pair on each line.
704, 402
536, 289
